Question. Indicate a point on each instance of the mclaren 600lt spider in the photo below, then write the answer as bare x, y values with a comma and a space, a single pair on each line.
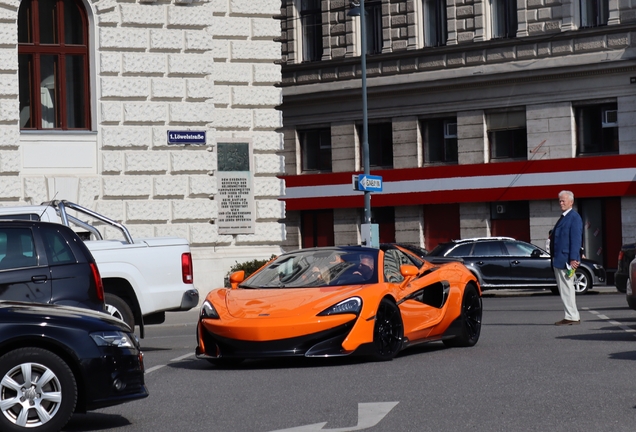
338, 301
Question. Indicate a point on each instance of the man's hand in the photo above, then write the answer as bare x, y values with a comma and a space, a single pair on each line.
574, 264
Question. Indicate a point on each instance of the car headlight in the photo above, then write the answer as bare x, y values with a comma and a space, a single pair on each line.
112, 339
208, 311
352, 305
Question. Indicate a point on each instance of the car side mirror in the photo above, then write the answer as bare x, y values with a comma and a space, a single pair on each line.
236, 278
408, 270
535, 253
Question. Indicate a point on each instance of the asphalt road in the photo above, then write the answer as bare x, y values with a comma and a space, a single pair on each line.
525, 374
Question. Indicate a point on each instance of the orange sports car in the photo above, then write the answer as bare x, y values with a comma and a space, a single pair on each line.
338, 301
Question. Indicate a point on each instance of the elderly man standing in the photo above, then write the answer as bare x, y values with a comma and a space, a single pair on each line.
565, 248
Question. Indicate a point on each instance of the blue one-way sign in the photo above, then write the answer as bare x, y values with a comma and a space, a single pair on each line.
370, 183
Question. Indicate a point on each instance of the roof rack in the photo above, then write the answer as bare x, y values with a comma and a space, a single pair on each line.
482, 238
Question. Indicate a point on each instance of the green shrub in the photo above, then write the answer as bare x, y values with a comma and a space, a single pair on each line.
249, 267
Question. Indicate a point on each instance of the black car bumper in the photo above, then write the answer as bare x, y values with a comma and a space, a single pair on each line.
327, 343
114, 378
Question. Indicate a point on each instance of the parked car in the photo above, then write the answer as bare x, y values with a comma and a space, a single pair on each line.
503, 262
339, 301
625, 257
47, 263
143, 278
630, 285
57, 360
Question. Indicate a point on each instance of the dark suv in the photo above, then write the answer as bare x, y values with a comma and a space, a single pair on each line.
503, 262
47, 263
625, 257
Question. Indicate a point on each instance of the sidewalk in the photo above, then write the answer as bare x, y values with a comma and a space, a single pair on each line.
601, 289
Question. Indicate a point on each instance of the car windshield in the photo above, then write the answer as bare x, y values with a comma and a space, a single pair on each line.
317, 268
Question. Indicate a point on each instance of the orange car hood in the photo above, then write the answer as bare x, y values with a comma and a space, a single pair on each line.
285, 302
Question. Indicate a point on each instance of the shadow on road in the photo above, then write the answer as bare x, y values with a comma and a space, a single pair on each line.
95, 422
616, 336
627, 355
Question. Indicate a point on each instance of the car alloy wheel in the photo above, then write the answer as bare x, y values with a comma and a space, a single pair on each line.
388, 330
38, 391
582, 281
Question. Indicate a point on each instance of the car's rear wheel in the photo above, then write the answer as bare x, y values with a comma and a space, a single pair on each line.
38, 391
118, 308
388, 331
582, 281
470, 320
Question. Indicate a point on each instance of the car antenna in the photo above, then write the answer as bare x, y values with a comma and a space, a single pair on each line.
48, 204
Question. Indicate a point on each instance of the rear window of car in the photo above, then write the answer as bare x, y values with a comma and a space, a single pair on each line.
487, 249
57, 249
519, 249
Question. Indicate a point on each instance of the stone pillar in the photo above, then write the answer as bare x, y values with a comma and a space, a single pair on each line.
471, 137
474, 220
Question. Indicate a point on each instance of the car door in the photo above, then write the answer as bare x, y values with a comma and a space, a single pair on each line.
24, 274
529, 265
492, 261
71, 275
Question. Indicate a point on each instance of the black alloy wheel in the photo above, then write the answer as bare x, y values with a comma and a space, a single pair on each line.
470, 318
388, 331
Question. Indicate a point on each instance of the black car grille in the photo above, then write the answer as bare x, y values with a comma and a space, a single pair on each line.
297, 346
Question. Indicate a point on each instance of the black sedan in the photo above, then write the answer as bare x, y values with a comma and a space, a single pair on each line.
503, 262
57, 360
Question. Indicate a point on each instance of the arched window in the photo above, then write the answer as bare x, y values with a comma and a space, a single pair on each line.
53, 65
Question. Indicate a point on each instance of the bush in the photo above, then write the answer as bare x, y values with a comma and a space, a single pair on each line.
248, 266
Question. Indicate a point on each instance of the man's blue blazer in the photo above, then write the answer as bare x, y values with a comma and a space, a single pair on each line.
567, 235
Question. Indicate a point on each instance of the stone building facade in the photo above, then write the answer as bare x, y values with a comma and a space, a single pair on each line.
480, 112
152, 67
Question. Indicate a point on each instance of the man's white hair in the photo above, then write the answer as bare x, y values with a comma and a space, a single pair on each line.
569, 194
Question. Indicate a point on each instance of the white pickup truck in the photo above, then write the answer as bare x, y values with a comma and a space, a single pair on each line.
143, 278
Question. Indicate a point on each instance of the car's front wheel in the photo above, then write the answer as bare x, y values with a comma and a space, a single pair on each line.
38, 391
582, 281
388, 331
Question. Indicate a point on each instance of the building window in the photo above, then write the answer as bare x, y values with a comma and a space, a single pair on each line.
311, 21
507, 135
597, 129
380, 145
315, 147
373, 21
594, 13
317, 228
440, 140
435, 33
504, 18
53, 65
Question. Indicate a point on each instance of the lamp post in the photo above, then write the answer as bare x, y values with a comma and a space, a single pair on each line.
359, 10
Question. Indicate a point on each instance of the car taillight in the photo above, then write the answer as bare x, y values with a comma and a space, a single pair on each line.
620, 255
186, 268
99, 285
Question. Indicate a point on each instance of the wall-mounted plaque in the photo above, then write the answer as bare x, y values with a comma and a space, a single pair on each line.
235, 190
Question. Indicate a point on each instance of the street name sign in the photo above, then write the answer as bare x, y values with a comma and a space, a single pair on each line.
370, 183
